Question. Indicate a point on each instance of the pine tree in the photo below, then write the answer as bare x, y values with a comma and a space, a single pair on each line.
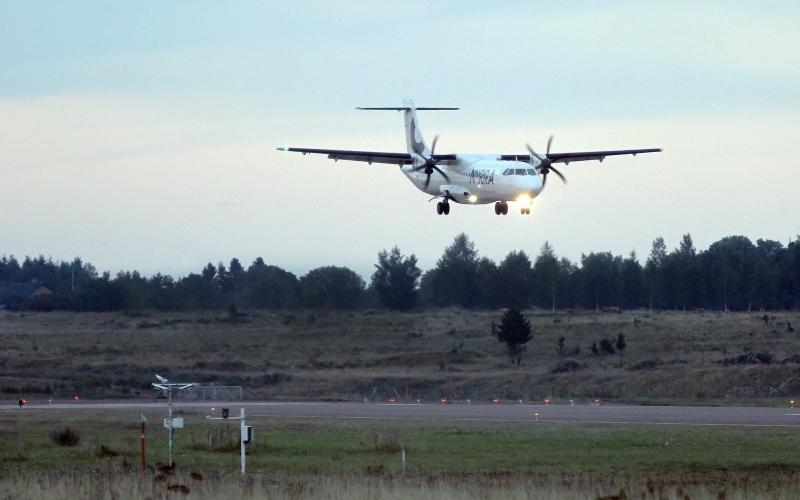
515, 332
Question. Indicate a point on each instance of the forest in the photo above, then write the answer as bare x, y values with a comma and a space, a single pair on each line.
733, 273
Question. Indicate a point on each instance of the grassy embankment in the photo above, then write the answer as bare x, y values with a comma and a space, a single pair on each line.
299, 458
670, 357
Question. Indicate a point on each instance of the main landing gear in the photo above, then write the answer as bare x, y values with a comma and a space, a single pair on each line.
442, 208
501, 208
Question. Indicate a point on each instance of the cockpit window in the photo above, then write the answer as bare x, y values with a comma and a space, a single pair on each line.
506, 171
520, 171
531, 171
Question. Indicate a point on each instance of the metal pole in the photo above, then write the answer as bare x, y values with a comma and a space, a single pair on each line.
169, 421
241, 439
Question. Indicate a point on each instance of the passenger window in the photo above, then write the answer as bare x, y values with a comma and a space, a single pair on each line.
531, 171
520, 171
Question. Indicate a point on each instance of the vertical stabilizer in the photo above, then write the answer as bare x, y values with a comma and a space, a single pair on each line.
415, 143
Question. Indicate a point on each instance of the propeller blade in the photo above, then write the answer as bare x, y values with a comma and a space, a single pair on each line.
544, 180
433, 146
441, 172
549, 142
559, 174
532, 152
427, 181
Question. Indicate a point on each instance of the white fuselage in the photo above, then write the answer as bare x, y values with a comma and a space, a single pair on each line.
480, 179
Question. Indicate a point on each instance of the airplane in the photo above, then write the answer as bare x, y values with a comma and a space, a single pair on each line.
470, 179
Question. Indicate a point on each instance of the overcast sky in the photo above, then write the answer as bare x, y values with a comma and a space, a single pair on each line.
142, 135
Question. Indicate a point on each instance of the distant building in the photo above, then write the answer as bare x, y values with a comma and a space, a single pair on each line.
15, 293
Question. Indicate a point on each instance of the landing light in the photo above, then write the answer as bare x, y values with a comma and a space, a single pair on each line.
524, 200
472, 198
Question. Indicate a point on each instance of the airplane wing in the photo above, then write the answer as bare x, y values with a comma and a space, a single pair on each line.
367, 156
582, 156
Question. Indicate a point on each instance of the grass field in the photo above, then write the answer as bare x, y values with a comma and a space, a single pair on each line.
311, 458
670, 357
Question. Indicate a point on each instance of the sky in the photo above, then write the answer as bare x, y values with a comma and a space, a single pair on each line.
143, 135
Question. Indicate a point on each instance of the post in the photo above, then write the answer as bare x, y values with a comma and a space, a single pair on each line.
241, 439
169, 421
141, 439
404, 459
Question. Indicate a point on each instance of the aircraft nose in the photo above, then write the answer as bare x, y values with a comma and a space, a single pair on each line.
534, 183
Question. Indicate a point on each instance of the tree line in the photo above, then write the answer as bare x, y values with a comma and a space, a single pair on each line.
732, 274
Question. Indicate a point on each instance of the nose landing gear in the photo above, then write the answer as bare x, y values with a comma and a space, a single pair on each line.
443, 208
500, 208
525, 211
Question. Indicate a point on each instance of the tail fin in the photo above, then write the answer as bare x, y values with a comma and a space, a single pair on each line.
415, 143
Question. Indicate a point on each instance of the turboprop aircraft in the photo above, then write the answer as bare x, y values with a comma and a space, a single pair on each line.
470, 179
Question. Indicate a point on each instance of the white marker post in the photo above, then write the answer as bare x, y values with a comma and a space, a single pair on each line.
242, 438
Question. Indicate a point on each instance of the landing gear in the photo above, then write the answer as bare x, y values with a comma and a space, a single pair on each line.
525, 211
442, 208
500, 208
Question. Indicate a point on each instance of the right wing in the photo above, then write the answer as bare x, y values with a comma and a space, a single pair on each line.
581, 156
367, 156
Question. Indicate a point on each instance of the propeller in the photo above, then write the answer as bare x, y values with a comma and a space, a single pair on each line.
430, 164
545, 164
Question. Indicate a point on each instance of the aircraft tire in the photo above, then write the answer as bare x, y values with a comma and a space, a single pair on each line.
446, 208
439, 208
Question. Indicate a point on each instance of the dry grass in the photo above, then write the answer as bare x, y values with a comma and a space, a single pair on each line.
130, 484
375, 354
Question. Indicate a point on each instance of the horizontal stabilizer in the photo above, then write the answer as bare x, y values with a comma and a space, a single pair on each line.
407, 109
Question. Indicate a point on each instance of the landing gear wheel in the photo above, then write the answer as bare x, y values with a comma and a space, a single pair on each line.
439, 208
525, 211
498, 210
446, 208
504, 208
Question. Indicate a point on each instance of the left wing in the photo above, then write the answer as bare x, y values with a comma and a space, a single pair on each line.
581, 156
368, 156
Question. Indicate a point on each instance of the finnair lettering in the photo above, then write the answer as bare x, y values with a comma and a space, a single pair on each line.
479, 176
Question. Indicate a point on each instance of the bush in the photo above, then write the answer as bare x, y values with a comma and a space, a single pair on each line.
567, 366
65, 436
648, 364
607, 347
749, 358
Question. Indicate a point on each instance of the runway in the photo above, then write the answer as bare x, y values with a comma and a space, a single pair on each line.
506, 412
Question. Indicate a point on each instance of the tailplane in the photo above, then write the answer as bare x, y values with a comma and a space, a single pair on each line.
415, 143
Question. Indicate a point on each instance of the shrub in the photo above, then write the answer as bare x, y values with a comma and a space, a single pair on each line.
607, 347
65, 436
749, 358
567, 366
105, 452
648, 364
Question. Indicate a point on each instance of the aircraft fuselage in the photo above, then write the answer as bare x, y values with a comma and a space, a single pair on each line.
480, 179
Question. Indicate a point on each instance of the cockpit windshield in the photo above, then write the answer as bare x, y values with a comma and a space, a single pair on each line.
519, 171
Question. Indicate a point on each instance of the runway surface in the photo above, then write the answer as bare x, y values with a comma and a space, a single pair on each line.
505, 412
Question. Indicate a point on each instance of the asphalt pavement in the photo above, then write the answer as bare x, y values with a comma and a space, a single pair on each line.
462, 411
